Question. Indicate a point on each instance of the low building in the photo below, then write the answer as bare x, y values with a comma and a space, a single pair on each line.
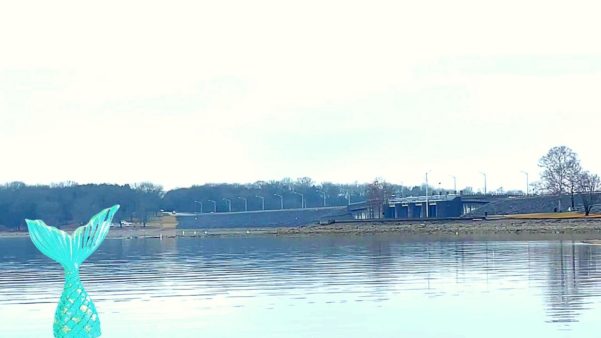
436, 206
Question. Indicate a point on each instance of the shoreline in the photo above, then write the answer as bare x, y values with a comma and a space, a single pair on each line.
582, 228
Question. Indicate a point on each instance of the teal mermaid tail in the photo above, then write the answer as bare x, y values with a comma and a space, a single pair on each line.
75, 314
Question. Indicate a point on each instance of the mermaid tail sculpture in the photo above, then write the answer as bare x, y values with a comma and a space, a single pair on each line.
75, 314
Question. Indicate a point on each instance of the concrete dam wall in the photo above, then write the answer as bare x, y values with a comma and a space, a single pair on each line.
266, 219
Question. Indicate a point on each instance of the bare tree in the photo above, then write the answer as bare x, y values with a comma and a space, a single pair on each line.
148, 200
588, 186
559, 164
378, 193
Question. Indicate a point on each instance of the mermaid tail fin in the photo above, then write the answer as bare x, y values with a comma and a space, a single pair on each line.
69, 250
75, 315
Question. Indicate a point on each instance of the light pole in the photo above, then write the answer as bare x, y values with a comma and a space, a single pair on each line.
281, 200
302, 198
454, 185
214, 205
324, 197
527, 185
484, 174
262, 201
427, 204
199, 202
245, 203
229, 204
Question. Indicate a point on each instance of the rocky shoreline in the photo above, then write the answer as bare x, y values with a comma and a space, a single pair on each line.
478, 226
582, 228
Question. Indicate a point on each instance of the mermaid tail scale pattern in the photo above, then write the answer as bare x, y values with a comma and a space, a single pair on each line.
75, 314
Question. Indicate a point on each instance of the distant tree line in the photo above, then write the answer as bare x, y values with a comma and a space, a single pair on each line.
270, 195
69, 203
73, 204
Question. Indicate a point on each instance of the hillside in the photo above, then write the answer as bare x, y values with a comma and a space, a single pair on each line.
527, 205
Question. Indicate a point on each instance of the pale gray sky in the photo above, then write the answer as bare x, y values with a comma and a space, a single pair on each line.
189, 92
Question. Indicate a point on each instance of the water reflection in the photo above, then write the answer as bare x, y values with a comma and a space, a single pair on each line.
572, 281
335, 286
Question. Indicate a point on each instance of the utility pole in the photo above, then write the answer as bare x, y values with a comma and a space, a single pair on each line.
214, 205
324, 197
302, 198
200, 205
262, 201
527, 184
454, 185
427, 204
245, 203
484, 174
281, 200
229, 204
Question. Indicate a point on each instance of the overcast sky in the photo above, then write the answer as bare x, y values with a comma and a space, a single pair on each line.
191, 92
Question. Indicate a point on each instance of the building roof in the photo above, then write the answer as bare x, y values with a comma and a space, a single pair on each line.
422, 199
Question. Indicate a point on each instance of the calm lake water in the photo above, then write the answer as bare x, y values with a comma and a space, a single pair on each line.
315, 286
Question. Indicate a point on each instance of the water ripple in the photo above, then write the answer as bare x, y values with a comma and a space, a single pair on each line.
340, 286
